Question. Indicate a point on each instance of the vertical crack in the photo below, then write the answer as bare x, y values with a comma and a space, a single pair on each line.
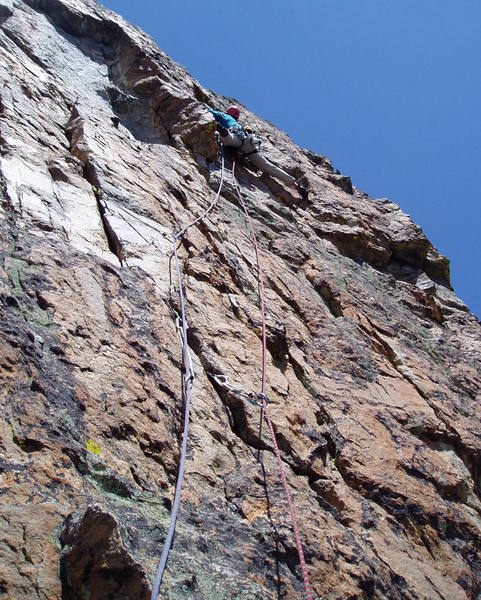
113, 241
78, 147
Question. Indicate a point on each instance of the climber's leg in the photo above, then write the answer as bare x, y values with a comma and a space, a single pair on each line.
266, 166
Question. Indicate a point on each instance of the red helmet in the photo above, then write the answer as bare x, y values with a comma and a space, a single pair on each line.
233, 111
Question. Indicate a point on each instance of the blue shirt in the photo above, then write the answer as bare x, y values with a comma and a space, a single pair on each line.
224, 119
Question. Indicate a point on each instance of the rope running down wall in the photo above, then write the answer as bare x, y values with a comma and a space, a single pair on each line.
188, 380
263, 396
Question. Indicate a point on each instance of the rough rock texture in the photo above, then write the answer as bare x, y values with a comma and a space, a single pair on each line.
374, 365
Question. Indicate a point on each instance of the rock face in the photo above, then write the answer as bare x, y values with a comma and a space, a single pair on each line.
374, 365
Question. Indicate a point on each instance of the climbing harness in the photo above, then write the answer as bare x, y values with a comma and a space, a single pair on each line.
188, 382
263, 396
251, 141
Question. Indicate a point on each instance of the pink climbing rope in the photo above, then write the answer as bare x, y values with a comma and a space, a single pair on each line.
292, 511
295, 527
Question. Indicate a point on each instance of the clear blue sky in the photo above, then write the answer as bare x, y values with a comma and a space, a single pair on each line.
389, 90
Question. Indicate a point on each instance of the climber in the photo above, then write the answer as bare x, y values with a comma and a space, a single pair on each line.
245, 141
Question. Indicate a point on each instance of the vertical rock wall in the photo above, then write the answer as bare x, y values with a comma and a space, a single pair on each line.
374, 364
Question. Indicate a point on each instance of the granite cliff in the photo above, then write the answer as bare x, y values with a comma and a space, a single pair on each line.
374, 364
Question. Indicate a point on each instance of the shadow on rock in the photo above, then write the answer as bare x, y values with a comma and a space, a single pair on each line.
94, 562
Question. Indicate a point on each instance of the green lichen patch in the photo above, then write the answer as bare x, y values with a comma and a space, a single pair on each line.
92, 446
23, 282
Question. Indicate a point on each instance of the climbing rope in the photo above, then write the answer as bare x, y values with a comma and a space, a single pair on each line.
188, 382
188, 378
263, 396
